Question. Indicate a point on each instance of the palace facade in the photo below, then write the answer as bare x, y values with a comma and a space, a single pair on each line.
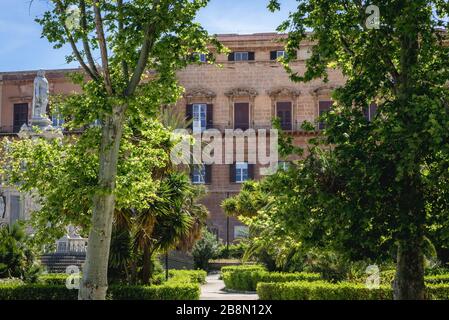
249, 89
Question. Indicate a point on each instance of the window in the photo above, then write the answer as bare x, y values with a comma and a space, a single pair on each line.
283, 165
241, 172
199, 174
20, 116
280, 54
241, 232
241, 116
241, 56
199, 117
324, 107
370, 112
284, 113
274, 55
16, 209
202, 57
57, 120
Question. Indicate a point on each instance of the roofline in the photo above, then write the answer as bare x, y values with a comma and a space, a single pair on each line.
27, 72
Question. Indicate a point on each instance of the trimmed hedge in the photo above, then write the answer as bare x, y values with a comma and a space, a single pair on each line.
255, 267
53, 291
37, 292
248, 280
194, 276
441, 278
181, 276
176, 276
187, 291
53, 278
320, 290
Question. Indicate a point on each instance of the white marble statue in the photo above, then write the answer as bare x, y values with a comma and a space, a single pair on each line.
39, 117
40, 96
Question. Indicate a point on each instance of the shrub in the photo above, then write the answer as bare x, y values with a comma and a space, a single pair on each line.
186, 291
255, 267
436, 279
182, 276
53, 279
248, 280
11, 281
320, 290
195, 276
17, 257
233, 251
37, 292
204, 250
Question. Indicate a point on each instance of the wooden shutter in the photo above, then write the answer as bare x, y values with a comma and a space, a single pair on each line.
208, 178
191, 169
189, 116
231, 56
241, 116
232, 173
251, 170
251, 56
324, 106
209, 57
273, 55
15, 209
20, 116
366, 113
373, 111
284, 113
210, 116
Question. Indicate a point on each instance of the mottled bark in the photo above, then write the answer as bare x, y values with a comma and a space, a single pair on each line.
95, 281
409, 282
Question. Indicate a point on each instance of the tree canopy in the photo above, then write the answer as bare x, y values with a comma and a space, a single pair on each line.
373, 182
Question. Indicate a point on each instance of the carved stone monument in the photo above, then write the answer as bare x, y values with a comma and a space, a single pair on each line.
40, 124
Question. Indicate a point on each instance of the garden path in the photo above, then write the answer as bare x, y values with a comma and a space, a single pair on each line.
214, 290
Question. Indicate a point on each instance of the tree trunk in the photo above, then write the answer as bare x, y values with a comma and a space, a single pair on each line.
147, 269
409, 282
95, 282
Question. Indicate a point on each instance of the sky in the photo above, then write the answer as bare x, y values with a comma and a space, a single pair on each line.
23, 49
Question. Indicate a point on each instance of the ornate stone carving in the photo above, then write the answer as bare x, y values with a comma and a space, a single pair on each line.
197, 93
322, 90
241, 92
283, 91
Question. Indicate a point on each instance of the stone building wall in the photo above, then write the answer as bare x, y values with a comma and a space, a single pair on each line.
261, 83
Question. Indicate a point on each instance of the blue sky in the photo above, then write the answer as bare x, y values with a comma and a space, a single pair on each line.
23, 49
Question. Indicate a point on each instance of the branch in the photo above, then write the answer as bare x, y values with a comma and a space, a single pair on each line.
149, 40
85, 40
125, 67
72, 42
103, 47
78, 56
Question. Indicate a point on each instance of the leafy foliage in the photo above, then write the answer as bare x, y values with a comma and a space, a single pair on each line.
17, 254
204, 250
376, 185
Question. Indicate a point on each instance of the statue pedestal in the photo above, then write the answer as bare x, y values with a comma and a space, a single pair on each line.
40, 127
